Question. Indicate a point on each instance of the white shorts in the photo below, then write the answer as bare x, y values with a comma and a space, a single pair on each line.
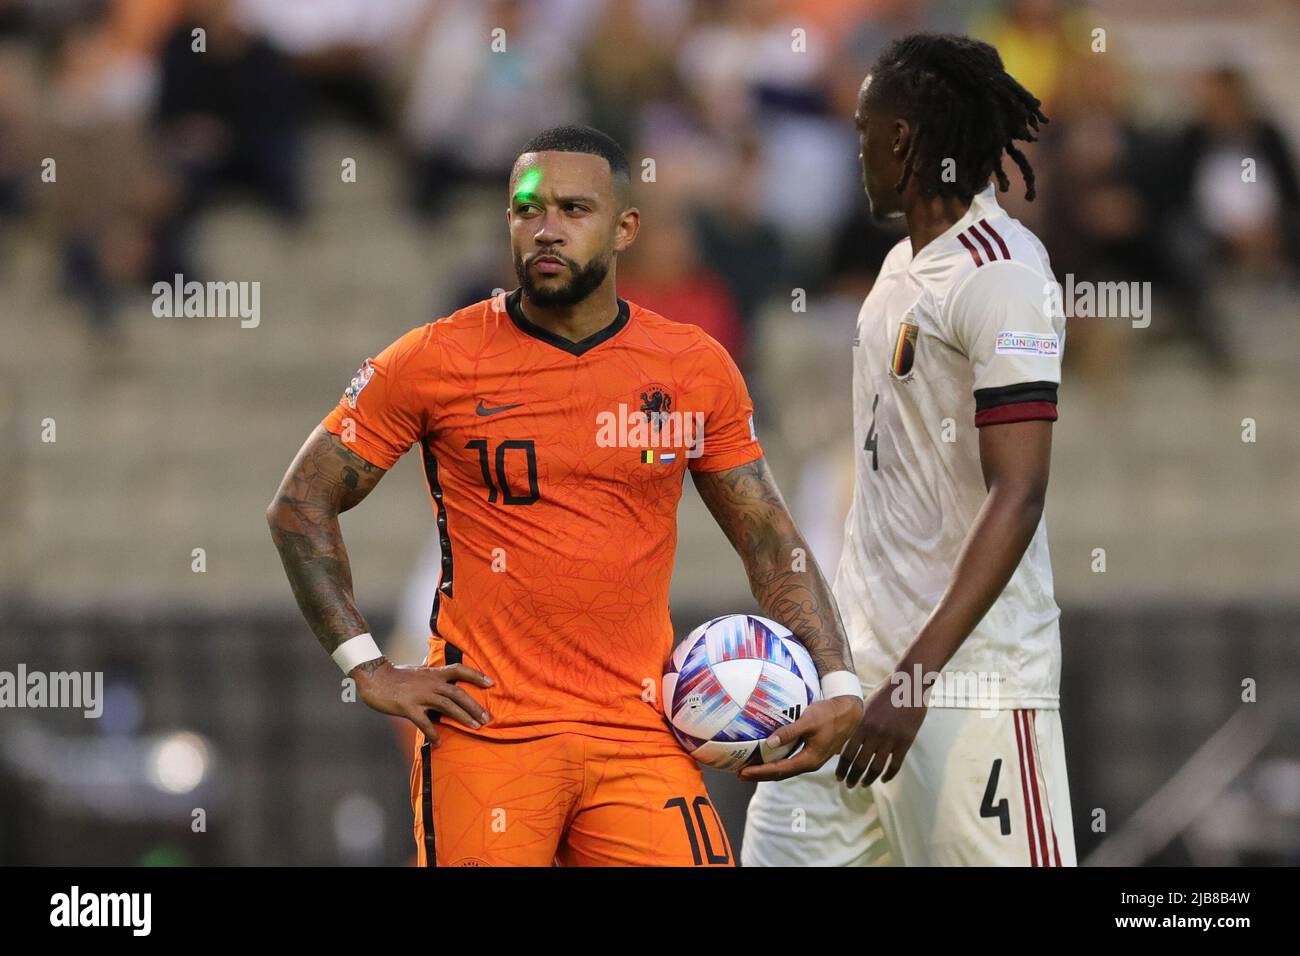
977, 788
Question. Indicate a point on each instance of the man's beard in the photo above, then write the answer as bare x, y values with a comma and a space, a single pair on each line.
583, 281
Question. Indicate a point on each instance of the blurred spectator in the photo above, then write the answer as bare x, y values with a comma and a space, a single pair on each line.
738, 240
1033, 38
858, 250
139, 27
342, 50
757, 69
486, 77
230, 113
626, 64
103, 86
17, 135
663, 272
1094, 208
14, 18
1252, 222
1110, 216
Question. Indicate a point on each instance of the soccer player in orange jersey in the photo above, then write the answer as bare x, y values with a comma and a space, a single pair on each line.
556, 424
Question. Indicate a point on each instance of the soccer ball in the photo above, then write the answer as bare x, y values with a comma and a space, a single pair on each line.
731, 684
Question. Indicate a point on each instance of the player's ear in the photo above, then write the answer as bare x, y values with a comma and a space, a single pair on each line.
626, 229
902, 138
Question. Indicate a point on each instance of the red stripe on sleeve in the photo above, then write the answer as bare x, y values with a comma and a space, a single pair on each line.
1016, 412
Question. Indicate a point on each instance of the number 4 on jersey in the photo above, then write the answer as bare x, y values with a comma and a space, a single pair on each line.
872, 442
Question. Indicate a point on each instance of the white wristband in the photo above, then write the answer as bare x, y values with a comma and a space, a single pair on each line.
841, 684
354, 651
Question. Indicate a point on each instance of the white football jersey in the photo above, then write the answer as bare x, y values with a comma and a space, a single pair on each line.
966, 333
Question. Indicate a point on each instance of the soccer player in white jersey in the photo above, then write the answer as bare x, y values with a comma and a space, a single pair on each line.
945, 584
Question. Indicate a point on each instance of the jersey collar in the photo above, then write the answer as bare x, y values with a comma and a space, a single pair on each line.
528, 327
982, 205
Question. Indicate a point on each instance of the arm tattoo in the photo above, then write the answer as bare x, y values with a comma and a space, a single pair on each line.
369, 667
783, 576
324, 480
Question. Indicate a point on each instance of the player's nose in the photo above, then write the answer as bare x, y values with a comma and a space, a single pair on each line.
548, 231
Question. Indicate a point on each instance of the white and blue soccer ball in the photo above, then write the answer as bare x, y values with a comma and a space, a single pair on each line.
733, 682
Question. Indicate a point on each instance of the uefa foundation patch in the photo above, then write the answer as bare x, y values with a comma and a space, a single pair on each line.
1026, 343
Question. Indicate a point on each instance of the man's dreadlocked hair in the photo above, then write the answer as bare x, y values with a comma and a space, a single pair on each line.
962, 105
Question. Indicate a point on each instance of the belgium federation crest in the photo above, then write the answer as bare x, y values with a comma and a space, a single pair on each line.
905, 349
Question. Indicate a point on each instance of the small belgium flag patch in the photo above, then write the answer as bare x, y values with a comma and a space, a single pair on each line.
649, 457
905, 348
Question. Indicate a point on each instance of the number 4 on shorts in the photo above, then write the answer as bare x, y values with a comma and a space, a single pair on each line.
1001, 809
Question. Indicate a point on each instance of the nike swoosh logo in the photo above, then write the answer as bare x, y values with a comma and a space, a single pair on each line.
482, 409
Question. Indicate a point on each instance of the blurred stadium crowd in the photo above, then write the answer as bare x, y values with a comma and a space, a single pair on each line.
758, 189
736, 117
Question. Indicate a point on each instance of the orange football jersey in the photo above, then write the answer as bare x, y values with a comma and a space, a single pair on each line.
555, 469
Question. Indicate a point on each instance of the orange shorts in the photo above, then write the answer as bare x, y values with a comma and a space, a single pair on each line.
566, 799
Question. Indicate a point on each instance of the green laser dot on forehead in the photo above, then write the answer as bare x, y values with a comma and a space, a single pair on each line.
528, 184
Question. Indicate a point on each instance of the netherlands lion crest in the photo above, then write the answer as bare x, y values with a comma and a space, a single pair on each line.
656, 403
